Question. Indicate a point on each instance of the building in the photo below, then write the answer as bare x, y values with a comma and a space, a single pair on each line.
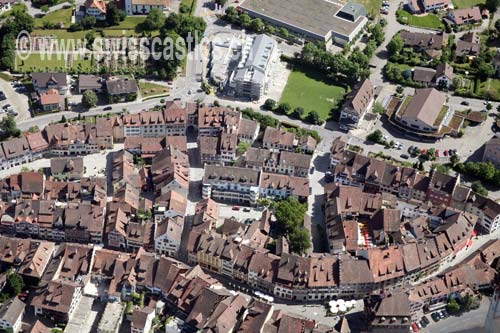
251, 77
90, 82
231, 184
326, 21
391, 313
111, 319
58, 300
121, 89
444, 75
492, 151
358, 102
423, 6
96, 8
11, 315
441, 188
143, 7
168, 234
50, 100
142, 320
465, 16
278, 139
428, 43
67, 168
425, 111
16, 151
468, 46
487, 210
42, 82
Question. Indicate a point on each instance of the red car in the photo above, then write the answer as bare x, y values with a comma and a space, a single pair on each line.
445, 153
415, 327
437, 153
236, 207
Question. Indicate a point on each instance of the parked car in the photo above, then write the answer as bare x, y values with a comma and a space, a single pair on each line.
405, 156
246, 209
236, 208
7, 106
441, 314
465, 103
107, 108
445, 313
312, 170
445, 153
435, 316
415, 327
437, 153
426, 320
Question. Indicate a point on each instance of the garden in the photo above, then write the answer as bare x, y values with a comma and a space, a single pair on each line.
427, 20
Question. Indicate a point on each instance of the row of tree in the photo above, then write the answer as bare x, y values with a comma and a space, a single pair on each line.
286, 109
484, 171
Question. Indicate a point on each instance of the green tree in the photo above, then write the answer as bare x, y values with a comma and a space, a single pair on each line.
298, 112
454, 159
378, 34
113, 14
270, 104
270, 29
63, 120
300, 240
257, 25
284, 108
375, 136
231, 14
289, 215
395, 45
492, 5
284, 32
154, 20
245, 20
88, 22
89, 37
453, 306
243, 147
378, 108
14, 285
478, 187
8, 128
89, 99
314, 118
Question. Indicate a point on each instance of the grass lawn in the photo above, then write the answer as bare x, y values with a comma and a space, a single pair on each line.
35, 63
490, 87
5, 77
425, 21
60, 33
149, 89
467, 3
129, 23
372, 6
61, 15
310, 90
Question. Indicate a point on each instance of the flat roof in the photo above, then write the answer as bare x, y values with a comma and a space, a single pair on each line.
315, 16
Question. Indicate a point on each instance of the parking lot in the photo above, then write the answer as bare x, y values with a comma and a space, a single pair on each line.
471, 321
242, 213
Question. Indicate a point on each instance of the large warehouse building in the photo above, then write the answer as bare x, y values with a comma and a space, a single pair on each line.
328, 21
